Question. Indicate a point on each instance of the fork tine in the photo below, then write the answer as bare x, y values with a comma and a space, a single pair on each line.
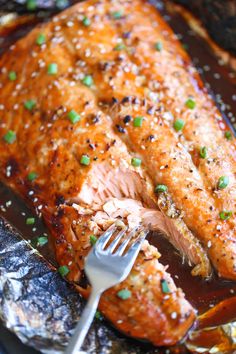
135, 247
116, 241
124, 244
102, 241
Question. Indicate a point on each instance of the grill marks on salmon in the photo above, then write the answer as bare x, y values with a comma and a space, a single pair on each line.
57, 121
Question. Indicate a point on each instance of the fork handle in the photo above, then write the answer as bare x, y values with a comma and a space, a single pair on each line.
84, 323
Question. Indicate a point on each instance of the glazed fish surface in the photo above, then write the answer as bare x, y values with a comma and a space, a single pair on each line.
104, 118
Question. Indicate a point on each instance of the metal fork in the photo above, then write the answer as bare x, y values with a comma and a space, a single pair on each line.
106, 267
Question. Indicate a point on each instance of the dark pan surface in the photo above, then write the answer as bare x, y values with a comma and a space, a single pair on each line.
35, 286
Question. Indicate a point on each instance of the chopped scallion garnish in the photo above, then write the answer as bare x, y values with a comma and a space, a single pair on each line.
225, 215
161, 188
136, 162
158, 46
12, 76
85, 160
63, 270
117, 15
164, 286
190, 103
31, 5
87, 80
203, 152
93, 239
73, 116
228, 135
30, 104
41, 39
138, 121
120, 46
86, 21
10, 137
41, 241
30, 221
52, 69
179, 124
32, 176
124, 294
223, 182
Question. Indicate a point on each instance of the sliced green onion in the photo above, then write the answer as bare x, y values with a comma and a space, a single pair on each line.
161, 188
136, 162
164, 286
223, 182
179, 124
117, 15
62, 4
12, 76
87, 80
98, 315
73, 116
30, 221
31, 5
190, 103
63, 270
203, 152
41, 241
228, 135
124, 294
158, 46
93, 240
32, 176
86, 21
10, 137
138, 121
225, 215
30, 104
52, 69
41, 39
85, 160
120, 46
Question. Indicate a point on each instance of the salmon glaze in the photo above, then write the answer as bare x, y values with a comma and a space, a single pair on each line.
102, 117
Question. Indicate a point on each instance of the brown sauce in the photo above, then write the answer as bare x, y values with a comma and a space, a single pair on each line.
203, 294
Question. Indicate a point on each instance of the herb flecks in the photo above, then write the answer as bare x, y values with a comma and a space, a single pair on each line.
161, 188
10, 137
136, 162
223, 182
179, 124
93, 239
225, 214
124, 294
165, 287
63, 270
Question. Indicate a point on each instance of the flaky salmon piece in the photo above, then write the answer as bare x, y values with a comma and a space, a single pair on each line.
59, 151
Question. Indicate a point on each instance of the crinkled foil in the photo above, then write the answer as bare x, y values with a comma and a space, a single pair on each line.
42, 309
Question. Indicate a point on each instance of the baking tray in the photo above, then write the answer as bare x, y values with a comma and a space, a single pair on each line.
52, 336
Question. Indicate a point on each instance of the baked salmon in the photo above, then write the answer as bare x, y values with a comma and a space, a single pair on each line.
70, 92
59, 151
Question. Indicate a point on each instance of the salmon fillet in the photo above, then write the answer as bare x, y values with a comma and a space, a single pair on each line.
70, 149
59, 151
124, 58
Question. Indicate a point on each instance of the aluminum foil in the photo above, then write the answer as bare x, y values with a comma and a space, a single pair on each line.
42, 309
